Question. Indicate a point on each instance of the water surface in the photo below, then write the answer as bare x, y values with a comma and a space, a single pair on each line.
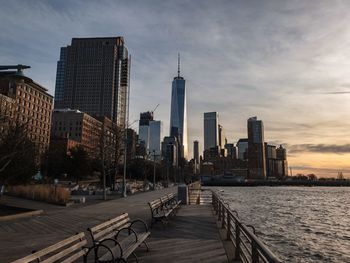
299, 224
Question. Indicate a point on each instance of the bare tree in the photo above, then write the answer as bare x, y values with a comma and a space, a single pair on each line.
17, 152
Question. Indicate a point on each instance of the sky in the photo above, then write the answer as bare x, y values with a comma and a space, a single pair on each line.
286, 62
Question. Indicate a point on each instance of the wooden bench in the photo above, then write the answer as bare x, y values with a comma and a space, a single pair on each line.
116, 239
66, 251
163, 207
173, 200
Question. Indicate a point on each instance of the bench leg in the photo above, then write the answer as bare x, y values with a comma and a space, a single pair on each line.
144, 242
137, 260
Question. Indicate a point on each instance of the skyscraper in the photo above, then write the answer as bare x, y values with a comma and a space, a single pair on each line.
196, 156
282, 164
211, 130
144, 131
196, 151
256, 149
92, 76
155, 135
59, 87
222, 137
178, 112
242, 146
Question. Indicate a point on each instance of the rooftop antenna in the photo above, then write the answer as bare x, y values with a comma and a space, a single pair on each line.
178, 65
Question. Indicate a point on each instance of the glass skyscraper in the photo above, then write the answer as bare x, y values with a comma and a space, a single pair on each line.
93, 76
256, 149
59, 88
178, 113
211, 130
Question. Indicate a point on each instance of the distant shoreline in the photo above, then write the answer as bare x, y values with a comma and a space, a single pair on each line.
336, 183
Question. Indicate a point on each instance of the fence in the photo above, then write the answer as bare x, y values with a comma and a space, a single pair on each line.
248, 247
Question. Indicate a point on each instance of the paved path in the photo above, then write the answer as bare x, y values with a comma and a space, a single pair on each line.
193, 226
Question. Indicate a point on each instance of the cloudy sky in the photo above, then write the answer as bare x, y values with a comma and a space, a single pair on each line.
287, 62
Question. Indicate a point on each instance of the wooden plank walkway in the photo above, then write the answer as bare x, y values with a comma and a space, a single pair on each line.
191, 236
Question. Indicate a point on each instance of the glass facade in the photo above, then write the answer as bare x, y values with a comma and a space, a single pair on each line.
155, 135
59, 87
211, 132
178, 114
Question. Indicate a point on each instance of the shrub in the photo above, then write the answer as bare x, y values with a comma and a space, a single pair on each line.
46, 193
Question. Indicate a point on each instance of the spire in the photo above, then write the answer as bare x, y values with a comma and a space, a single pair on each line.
178, 65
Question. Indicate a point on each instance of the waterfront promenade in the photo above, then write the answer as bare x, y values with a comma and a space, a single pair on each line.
192, 236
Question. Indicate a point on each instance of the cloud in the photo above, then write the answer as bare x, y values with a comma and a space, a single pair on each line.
275, 59
337, 92
319, 148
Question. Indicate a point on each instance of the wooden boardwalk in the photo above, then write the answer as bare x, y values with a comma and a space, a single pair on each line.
191, 236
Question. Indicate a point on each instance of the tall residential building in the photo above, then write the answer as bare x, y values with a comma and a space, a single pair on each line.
178, 112
155, 135
196, 151
131, 144
231, 150
92, 76
170, 151
211, 130
222, 137
270, 160
256, 149
242, 146
59, 87
144, 130
196, 165
282, 164
25, 102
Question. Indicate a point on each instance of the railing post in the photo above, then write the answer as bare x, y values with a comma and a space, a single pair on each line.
255, 254
228, 232
237, 239
219, 210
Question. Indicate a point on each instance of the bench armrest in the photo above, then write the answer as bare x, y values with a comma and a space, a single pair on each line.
139, 221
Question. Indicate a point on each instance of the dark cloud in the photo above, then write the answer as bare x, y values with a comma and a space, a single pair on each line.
319, 148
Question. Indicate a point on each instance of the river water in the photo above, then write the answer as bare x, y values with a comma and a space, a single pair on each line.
299, 224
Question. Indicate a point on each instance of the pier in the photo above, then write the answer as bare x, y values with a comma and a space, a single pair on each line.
198, 233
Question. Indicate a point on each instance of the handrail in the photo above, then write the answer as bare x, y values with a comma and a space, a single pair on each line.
258, 251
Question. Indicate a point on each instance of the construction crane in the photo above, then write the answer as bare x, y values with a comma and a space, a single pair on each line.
155, 108
19, 68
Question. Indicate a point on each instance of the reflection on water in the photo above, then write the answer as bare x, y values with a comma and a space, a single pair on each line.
300, 224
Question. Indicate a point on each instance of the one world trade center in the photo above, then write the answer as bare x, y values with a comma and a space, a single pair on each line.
178, 113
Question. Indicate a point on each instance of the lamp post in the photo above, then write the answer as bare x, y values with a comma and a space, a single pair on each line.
127, 103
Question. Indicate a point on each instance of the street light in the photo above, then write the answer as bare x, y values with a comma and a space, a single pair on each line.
127, 100
154, 169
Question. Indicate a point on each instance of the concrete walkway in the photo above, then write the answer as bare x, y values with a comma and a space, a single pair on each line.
191, 236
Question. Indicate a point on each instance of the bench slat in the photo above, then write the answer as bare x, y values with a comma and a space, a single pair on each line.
51, 248
111, 229
109, 222
75, 256
65, 252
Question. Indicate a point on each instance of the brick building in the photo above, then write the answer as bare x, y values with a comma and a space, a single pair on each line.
25, 102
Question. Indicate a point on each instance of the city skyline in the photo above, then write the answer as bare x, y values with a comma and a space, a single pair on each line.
281, 61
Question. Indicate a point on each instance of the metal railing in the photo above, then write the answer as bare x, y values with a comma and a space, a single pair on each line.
248, 247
